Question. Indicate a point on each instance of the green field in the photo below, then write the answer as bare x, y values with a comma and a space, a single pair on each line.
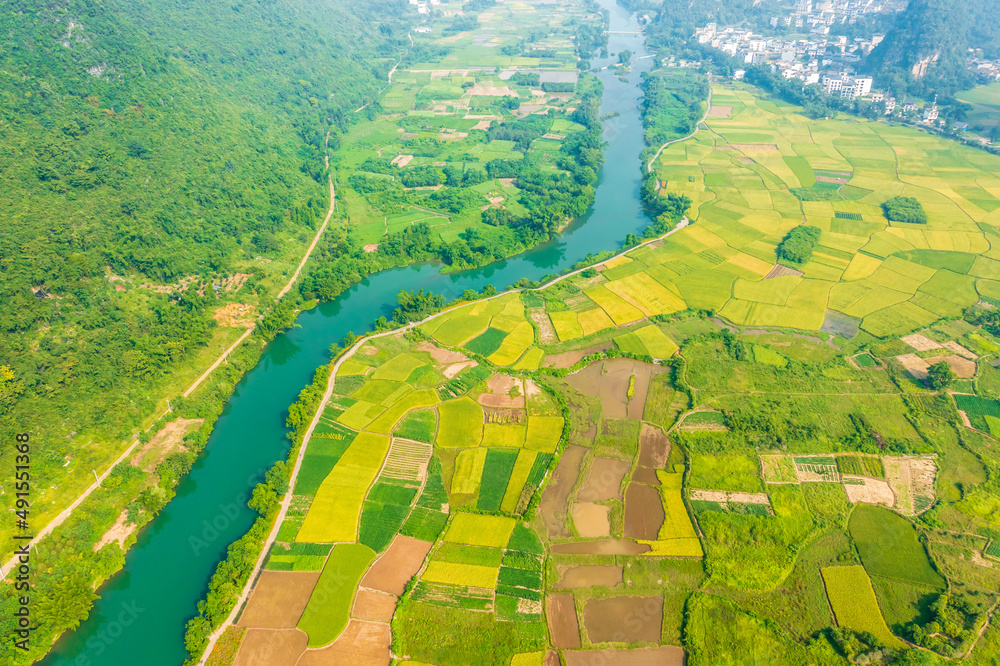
854, 604
889, 547
329, 607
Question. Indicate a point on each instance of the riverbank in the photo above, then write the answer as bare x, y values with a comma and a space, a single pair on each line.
250, 434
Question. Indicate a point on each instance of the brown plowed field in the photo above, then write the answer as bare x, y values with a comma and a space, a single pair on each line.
361, 644
604, 481
596, 575
278, 599
643, 512
555, 499
271, 647
374, 606
563, 627
397, 565
666, 655
654, 447
570, 358
624, 619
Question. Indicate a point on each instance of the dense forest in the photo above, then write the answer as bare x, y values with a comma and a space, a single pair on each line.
925, 51
152, 151
163, 142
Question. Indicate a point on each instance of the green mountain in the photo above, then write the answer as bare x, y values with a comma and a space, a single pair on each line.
925, 51
158, 142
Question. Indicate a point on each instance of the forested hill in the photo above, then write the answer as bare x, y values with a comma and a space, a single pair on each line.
158, 140
925, 52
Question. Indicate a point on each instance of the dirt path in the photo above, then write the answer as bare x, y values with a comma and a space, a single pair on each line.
312, 246
61, 518
649, 167
286, 501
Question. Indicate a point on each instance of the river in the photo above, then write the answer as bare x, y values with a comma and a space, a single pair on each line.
141, 613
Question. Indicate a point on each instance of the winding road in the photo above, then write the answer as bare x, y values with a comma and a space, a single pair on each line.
697, 127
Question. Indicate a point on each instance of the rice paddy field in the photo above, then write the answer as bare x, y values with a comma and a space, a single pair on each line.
677, 458
437, 113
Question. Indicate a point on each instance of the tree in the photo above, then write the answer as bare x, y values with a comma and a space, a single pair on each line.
940, 375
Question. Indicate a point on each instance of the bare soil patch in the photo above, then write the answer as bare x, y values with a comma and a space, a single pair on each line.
451, 371
402, 160
591, 520
571, 358
397, 565
963, 367
831, 179
371, 247
782, 271
644, 373
589, 576
654, 447
645, 475
278, 599
563, 625
491, 91
643, 512
374, 606
271, 647
442, 355
914, 365
609, 381
361, 644
920, 342
720, 111
118, 532
555, 499
482, 125
753, 146
624, 619
499, 387
163, 443
870, 491
236, 315
500, 415
951, 345
601, 547
666, 655
604, 481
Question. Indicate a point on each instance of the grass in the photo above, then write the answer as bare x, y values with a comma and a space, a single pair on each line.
329, 607
496, 474
461, 423
333, 516
461, 554
720, 632
544, 433
470, 575
398, 368
725, 471
854, 605
420, 426
889, 547
415, 400
518, 477
487, 342
442, 635
477, 530
321, 456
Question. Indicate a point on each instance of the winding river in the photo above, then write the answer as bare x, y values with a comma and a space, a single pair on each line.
140, 616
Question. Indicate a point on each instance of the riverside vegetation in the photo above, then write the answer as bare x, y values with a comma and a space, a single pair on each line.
770, 433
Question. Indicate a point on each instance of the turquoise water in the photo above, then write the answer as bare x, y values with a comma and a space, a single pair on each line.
141, 614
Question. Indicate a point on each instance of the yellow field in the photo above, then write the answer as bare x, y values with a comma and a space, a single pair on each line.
471, 575
544, 433
333, 515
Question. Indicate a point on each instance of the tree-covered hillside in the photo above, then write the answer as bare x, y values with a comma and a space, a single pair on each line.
157, 141
925, 51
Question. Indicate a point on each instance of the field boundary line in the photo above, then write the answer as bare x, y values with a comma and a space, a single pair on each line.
286, 501
697, 126
312, 246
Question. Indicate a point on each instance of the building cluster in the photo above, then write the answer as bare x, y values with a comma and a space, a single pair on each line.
422, 5
987, 68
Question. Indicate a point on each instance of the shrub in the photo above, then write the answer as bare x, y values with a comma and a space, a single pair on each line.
904, 209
